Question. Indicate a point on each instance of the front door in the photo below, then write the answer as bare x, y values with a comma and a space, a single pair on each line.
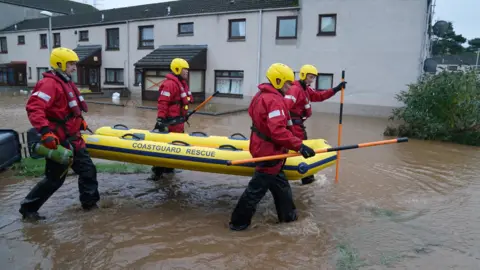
94, 79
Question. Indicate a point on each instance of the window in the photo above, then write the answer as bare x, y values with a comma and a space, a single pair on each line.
43, 41
327, 24
138, 77
21, 40
114, 76
113, 39
185, 28
236, 29
153, 79
196, 81
83, 35
3, 75
145, 37
56, 40
287, 27
40, 71
324, 81
3, 45
29, 73
229, 82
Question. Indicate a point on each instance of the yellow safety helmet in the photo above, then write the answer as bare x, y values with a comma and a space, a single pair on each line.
279, 72
177, 65
307, 69
62, 55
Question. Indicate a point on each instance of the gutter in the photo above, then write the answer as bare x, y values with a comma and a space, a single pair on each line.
156, 18
259, 48
128, 56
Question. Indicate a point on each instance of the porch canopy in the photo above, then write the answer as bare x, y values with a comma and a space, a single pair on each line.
89, 55
160, 58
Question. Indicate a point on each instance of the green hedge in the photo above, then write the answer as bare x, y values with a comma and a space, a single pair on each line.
445, 107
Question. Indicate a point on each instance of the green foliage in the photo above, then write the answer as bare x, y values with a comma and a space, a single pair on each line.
447, 42
30, 167
443, 107
474, 45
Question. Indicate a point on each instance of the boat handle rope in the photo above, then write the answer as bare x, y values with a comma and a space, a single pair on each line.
133, 136
180, 142
120, 125
199, 132
228, 146
238, 134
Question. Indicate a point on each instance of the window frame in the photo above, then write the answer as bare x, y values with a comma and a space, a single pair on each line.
80, 39
140, 40
4, 50
322, 33
236, 38
179, 33
230, 95
46, 41
115, 82
324, 74
59, 40
280, 18
18, 40
39, 73
108, 45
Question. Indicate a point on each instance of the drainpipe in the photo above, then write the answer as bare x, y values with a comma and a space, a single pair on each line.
259, 49
128, 55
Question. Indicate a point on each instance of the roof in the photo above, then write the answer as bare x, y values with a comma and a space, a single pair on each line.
460, 59
58, 6
177, 8
84, 51
196, 56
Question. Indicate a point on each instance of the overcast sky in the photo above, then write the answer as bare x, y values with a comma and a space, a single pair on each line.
463, 13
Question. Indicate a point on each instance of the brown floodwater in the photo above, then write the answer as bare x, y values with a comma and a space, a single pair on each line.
413, 205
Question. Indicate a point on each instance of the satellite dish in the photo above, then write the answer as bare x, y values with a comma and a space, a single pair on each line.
440, 28
430, 65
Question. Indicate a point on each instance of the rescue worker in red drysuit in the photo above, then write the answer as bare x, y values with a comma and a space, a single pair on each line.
298, 100
271, 135
55, 110
173, 101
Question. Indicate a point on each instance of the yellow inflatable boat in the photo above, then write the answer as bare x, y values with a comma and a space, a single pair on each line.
182, 155
234, 141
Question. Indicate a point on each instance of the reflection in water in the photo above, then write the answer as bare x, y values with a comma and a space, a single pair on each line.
412, 206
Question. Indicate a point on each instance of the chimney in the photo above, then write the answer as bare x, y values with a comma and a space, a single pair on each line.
168, 10
71, 11
15, 27
103, 17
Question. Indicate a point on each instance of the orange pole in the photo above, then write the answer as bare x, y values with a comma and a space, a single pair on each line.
318, 151
202, 104
340, 128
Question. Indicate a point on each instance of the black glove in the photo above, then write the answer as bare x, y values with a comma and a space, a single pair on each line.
306, 151
339, 86
161, 126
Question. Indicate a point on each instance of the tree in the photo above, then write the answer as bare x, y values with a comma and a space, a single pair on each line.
474, 45
446, 41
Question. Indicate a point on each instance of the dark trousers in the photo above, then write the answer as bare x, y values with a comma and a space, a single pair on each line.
159, 171
55, 175
256, 190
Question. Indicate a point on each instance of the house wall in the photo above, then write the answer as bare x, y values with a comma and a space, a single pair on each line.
13, 14
37, 57
380, 50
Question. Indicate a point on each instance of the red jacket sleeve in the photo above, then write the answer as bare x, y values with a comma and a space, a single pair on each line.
276, 123
291, 97
320, 95
167, 94
39, 101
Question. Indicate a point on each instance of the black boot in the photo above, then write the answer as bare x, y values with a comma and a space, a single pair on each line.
89, 207
308, 180
31, 216
156, 174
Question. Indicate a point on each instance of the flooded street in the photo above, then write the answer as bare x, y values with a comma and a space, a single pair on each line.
413, 205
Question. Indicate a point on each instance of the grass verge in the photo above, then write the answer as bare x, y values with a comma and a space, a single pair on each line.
30, 167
